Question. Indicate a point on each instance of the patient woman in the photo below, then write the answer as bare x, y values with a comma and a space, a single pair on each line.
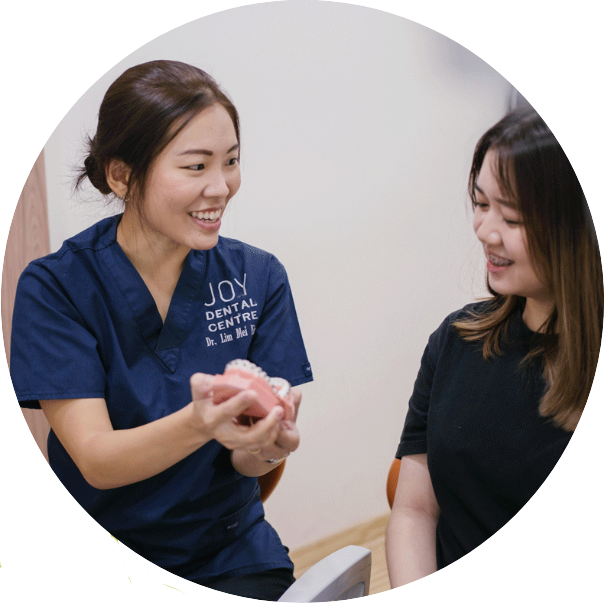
115, 336
503, 382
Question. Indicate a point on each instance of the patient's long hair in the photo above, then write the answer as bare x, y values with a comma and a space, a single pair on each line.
562, 243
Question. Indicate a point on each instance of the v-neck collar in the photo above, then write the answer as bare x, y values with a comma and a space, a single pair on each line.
163, 337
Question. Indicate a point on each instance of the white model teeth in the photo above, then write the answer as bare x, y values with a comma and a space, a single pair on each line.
211, 216
496, 261
248, 366
280, 387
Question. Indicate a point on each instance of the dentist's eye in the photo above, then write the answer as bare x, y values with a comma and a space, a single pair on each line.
197, 167
476, 204
233, 161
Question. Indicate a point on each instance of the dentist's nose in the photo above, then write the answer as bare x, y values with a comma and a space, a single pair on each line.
217, 187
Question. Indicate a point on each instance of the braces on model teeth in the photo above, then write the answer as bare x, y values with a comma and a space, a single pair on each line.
246, 365
242, 374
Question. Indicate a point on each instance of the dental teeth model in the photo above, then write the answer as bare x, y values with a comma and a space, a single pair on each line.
243, 374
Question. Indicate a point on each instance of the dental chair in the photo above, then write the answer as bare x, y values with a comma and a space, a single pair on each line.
345, 574
268, 482
392, 480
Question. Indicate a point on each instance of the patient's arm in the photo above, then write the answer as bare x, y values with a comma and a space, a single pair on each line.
410, 538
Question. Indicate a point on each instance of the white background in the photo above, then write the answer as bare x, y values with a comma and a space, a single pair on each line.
367, 297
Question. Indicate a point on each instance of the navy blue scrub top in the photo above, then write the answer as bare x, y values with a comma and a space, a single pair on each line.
86, 326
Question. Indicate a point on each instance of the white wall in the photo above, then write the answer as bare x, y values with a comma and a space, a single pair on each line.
357, 129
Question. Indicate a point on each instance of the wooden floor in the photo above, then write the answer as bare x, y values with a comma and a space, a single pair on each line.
369, 535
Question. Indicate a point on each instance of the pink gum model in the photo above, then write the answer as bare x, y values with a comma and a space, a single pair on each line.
241, 375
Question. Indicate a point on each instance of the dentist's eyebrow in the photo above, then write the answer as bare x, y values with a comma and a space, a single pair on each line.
235, 147
505, 202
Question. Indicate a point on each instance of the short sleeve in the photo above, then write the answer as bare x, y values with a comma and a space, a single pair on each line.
414, 436
53, 353
277, 345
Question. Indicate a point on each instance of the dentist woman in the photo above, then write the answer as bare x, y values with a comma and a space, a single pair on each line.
116, 336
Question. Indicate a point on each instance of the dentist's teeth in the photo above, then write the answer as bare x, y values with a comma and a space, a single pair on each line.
212, 216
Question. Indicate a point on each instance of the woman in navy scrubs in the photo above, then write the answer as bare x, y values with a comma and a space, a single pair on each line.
115, 334
502, 382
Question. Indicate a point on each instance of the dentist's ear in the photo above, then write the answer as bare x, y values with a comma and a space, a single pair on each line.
117, 174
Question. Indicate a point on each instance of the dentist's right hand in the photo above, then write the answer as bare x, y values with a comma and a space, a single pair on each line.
220, 421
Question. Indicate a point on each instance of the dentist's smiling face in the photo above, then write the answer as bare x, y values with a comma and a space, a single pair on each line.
498, 226
192, 181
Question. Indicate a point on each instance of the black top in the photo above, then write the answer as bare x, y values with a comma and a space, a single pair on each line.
488, 449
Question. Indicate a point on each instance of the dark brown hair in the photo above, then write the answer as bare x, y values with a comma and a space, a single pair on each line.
142, 111
534, 171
